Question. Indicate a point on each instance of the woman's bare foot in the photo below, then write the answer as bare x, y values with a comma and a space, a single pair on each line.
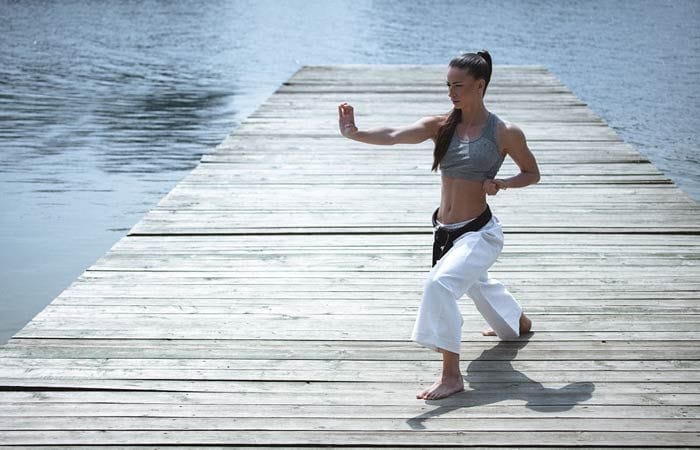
450, 380
442, 388
525, 325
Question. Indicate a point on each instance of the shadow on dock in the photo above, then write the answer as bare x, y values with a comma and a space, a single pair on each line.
518, 387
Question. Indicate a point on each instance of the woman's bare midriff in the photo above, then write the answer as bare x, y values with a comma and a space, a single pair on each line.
460, 200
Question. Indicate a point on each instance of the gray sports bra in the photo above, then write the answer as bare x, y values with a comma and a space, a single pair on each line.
473, 160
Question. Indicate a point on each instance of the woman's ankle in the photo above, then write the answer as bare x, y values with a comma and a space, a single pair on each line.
450, 376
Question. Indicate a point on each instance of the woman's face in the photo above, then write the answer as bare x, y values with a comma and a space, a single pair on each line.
462, 88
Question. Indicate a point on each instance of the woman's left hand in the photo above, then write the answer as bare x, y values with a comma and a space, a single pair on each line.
493, 186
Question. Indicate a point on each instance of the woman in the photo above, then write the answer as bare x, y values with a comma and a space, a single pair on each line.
470, 145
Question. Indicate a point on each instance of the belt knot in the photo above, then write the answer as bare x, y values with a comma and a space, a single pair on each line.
444, 237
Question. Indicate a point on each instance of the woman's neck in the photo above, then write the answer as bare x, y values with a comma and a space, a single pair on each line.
475, 116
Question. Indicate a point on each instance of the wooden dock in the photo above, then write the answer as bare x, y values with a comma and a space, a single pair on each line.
268, 299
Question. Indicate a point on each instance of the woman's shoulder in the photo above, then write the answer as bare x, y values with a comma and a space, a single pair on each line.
433, 124
507, 129
437, 119
507, 134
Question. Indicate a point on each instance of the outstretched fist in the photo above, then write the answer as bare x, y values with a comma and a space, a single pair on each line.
346, 119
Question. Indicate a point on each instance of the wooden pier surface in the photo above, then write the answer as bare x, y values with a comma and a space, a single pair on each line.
268, 299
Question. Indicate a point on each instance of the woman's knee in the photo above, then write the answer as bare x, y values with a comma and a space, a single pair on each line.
435, 285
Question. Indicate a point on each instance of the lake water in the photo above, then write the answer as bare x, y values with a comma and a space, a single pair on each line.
105, 106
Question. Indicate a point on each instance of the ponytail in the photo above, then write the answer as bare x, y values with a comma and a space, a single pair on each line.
487, 57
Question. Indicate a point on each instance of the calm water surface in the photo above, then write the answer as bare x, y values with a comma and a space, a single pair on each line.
105, 105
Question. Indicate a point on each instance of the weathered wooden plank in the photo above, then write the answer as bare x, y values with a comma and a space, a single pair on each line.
440, 438
103, 307
309, 174
513, 411
232, 364
392, 390
321, 145
358, 261
553, 242
220, 223
320, 326
343, 350
29, 394
416, 376
419, 411
32, 331
351, 424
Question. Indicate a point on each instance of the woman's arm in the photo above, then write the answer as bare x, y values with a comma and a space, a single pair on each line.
422, 130
517, 149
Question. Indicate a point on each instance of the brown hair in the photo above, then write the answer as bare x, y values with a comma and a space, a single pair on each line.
477, 65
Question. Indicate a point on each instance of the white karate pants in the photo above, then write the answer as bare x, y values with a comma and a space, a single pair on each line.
464, 269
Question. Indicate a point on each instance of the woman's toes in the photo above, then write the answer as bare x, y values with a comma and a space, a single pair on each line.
422, 393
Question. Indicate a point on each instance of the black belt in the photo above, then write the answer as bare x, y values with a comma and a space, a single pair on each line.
444, 237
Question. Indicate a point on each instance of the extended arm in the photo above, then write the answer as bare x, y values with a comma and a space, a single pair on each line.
422, 130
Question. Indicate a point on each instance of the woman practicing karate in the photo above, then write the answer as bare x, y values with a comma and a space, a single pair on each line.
470, 145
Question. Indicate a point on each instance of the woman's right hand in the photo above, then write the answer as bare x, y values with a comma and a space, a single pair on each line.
346, 120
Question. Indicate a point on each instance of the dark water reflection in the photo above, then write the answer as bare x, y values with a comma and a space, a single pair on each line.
105, 105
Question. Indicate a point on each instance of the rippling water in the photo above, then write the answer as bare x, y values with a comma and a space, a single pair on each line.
105, 105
